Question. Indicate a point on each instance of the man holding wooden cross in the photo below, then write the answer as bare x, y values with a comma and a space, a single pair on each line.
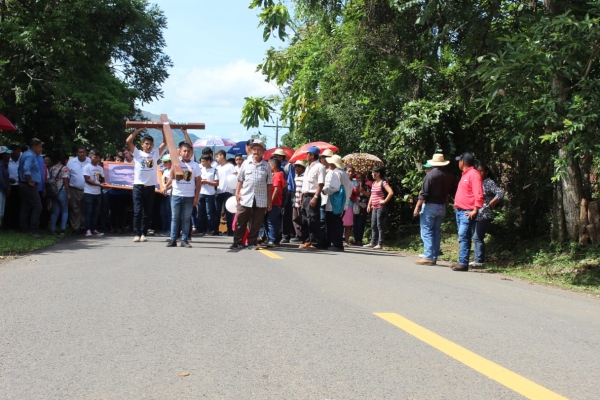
144, 183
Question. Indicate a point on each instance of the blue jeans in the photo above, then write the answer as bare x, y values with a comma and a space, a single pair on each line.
481, 228
143, 205
91, 207
465, 232
60, 206
181, 211
220, 202
378, 224
206, 213
274, 223
431, 218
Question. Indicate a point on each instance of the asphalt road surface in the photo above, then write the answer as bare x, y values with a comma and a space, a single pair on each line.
106, 318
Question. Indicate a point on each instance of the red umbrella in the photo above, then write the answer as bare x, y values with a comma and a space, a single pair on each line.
287, 150
5, 124
300, 154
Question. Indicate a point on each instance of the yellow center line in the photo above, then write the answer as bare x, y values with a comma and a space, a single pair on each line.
271, 254
511, 380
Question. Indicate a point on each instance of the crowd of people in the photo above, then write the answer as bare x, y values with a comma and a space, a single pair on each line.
319, 202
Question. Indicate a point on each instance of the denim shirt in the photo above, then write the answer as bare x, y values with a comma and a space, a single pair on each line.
28, 165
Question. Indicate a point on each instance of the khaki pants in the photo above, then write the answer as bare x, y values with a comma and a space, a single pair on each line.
76, 209
248, 215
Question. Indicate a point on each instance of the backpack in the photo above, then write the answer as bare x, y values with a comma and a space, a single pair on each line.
338, 200
51, 187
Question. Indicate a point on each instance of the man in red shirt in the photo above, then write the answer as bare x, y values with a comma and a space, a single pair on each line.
467, 202
274, 216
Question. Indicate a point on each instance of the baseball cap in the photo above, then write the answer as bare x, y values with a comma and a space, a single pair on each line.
313, 150
4, 149
466, 157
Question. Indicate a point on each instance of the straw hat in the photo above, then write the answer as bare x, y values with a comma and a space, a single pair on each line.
279, 152
301, 163
438, 161
257, 143
327, 153
336, 160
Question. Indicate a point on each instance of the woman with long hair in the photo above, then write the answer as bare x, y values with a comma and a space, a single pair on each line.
381, 194
492, 195
60, 204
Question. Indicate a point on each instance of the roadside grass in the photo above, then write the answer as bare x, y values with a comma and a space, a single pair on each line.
538, 260
16, 243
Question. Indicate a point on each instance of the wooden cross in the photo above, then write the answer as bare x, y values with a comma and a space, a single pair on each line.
165, 126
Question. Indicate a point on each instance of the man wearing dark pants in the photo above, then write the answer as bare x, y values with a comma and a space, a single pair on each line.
314, 178
76, 185
252, 195
144, 182
29, 177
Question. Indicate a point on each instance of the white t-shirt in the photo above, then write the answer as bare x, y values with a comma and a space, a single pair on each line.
94, 172
224, 171
212, 175
186, 187
76, 167
144, 169
166, 177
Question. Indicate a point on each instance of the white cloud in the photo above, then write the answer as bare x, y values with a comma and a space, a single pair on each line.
213, 95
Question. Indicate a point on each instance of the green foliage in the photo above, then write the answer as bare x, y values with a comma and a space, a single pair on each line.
16, 243
74, 69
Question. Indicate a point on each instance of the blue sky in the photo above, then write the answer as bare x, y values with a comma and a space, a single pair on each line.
215, 47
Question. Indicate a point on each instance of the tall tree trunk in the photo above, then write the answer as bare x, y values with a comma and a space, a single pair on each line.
572, 194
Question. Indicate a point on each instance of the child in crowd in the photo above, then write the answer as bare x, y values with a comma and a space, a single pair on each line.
274, 216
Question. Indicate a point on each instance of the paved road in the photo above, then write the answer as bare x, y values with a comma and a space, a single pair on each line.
112, 319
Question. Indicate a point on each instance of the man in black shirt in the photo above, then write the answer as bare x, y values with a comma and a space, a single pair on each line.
433, 195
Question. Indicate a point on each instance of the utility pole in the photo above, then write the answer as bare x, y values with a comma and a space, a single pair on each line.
276, 126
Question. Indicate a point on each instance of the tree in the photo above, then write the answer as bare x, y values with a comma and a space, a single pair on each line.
74, 69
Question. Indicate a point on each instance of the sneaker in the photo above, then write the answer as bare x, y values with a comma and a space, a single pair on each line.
333, 248
159, 234
143, 238
421, 255
236, 246
294, 239
475, 264
172, 243
185, 243
150, 232
378, 247
96, 233
136, 238
369, 245
251, 247
270, 244
284, 241
88, 233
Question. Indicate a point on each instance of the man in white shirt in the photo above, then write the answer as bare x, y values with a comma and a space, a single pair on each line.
314, 179
252, 195
145, 181
224, 169
93, 174
13, 202
76, 186
185, 195
206, 207
335, 180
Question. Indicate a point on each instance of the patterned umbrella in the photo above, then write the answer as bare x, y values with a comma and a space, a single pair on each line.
300, 154
362, 162
213, 141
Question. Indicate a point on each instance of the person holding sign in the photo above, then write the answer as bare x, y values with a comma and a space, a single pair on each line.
144, 182
185, 195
